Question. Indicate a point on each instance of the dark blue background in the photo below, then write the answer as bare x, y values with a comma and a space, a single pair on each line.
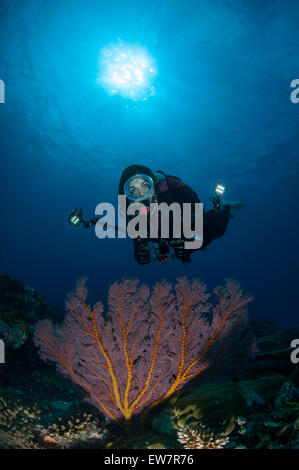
221, 112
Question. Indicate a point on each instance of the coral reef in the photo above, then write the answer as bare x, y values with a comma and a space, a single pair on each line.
80, 429
12, 336
256, 406
20, 308
25, 425
217, 405
17, 422
150, 345
227, 409
201, 438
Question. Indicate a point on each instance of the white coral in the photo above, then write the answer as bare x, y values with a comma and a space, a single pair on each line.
200, 438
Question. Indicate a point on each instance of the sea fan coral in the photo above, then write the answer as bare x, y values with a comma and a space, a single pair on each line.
149, 345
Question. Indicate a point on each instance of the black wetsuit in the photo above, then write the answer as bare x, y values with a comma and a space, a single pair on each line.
214, 226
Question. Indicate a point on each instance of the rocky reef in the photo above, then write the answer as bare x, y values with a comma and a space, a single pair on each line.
257, 407
20, 308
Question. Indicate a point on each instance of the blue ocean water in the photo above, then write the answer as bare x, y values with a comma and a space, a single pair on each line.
220, 111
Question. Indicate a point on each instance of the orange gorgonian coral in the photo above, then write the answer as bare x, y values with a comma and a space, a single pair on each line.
149, 345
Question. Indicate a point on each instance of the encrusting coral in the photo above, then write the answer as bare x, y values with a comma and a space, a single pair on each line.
201, 438
17, 422
149, 345
78, 429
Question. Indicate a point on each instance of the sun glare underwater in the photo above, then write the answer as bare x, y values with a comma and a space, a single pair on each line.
127, 70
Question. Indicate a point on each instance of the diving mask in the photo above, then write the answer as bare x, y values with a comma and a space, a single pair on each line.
139, 187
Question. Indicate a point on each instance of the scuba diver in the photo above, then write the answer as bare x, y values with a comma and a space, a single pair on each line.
140, 184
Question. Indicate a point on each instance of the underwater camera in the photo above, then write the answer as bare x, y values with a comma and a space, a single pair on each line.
219, 190
75, 217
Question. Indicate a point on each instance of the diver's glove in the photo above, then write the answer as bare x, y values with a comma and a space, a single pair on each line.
142, 251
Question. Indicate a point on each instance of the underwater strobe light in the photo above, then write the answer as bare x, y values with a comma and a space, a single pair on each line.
220, 189
75, 217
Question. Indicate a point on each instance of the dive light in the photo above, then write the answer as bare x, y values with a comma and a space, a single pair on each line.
75, 217
219, 190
